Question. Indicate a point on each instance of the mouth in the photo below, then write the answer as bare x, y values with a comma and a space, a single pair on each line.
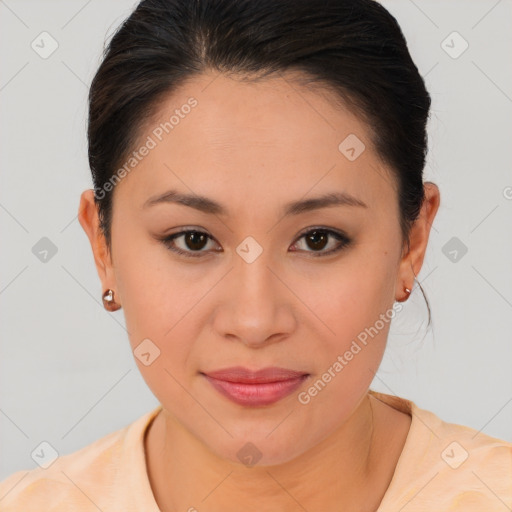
255, 388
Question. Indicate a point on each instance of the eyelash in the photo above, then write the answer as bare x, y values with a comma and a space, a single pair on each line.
345, 241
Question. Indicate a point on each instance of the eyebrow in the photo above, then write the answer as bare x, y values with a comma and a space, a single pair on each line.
207, 205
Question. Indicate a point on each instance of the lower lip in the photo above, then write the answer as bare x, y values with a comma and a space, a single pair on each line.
256, 394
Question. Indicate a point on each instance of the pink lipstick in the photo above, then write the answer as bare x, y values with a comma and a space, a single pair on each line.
262, 387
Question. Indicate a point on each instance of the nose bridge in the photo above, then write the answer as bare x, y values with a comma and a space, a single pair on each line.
255, 284
255, 308
252, 260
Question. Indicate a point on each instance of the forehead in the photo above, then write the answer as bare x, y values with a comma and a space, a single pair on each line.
217, 133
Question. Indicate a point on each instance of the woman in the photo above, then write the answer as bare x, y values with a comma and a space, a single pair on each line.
259, 213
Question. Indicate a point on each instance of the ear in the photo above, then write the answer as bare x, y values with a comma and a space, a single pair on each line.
89, 219
412, 258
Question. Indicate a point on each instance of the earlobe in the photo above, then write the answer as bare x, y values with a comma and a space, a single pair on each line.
109, 302
406, 292
89, 220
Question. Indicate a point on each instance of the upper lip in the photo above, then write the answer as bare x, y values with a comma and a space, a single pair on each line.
246, 376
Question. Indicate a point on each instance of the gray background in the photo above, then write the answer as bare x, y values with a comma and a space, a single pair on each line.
67, 373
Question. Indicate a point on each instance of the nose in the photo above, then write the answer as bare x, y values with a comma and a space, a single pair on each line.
256, 307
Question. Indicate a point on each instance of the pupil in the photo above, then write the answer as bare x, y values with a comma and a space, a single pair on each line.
316, 237
194, 238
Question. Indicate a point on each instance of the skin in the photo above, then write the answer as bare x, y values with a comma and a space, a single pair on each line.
253, 148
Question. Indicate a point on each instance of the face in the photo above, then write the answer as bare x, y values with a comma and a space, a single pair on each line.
259, 284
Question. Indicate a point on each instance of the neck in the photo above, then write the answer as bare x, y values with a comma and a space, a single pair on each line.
185, 474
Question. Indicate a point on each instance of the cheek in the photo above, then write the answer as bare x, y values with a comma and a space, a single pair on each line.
359, 316
350, 294
156, 298
355, 306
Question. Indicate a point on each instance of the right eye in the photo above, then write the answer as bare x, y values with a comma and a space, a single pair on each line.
192, 241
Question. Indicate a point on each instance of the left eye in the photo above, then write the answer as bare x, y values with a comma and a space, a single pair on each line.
318, 240
194, 241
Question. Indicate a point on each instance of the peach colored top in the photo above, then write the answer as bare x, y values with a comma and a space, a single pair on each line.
443, 467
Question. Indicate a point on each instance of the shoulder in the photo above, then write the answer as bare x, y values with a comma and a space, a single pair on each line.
65, 480
466, 467
463, 448
84, 480
455, 466
447, 466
